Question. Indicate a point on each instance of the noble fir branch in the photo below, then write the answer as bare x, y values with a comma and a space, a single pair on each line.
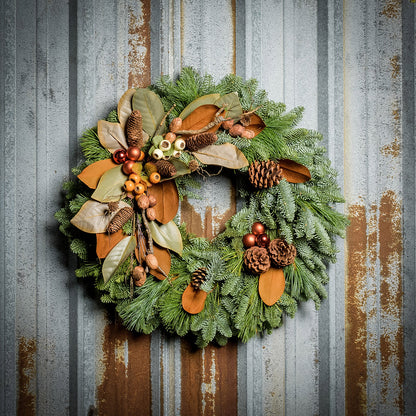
113, 117
91, 147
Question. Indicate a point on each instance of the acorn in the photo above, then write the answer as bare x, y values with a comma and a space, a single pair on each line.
152, 200
143, 201
152, 262
151, 214
175, 124
227, 124
236, 130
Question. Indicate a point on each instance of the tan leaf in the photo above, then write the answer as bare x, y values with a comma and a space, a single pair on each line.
110, 186
200, 117
167, 235
256, 124
92, 173
294, 172
111, 135
106, 242
167, 198
226, 155
271, 286
125, 107
193, 301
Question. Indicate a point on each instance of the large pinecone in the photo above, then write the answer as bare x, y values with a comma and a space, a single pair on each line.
281, 253
119, 219
134, 129
199, 141
198, 277
165, 168
264, 174
257, 260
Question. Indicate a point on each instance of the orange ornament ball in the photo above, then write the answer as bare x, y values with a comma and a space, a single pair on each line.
258, 228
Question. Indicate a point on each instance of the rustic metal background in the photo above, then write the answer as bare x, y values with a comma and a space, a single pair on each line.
351, 63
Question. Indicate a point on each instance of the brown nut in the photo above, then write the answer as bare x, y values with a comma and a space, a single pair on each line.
171, 137
248, 134
152, 262
227, 124
175, 124
138, 273
237, 130
152, 200
143, 201
151, 214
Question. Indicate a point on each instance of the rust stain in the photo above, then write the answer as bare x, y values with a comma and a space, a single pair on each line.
394, 148
355, 313
139, 47
208, 386
26, 402
125, 387
391, 300
395, 66
392, 9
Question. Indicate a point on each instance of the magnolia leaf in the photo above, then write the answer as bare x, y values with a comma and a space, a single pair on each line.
167, 235
111, 135
92, 173
226, 155
181, 169
256, 124
93, 217
193, 301
205, 99
231, 103
117, 256
294, 172
201, 117
124, 108
110, 187
271, 286
167, 198
151, 108
106, 242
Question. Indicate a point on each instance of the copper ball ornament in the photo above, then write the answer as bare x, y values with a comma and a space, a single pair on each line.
262, 240
133, 153
128, 166
258, 228
119, 156
249, 240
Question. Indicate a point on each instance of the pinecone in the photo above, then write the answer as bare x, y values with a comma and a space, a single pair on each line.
112, 206
199, 141
198, 277
165, 168
134, 127
257, 260
119, 219
264, 174
281, 253
245, 120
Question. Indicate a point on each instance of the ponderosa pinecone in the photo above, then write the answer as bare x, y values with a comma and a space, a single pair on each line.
281, 253
134, 129
119, 219
264, 174
199, 141
257, 260
165, 168
198, 277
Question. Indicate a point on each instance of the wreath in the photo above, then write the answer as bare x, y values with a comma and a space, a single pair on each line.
120, 215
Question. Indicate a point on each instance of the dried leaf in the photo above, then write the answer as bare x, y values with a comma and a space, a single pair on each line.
92, 173
256, 124
294, 172
93, 217
231, 103
111, 136
149, 104
271, 286
167, 198
181, 169
125, 108
117, 256
193, 301
226, 155
106, 242
205, 99
200, 117
167, 235
110, 187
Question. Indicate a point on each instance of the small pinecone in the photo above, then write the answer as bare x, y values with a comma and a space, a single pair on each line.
165, 168
281, 253
199, 141
193, 165
112, 206
198, 277
264, 174
245, 120
257, 260
134, 129
119, 219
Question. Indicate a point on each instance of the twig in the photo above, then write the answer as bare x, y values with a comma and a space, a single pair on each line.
217, 120
163, 120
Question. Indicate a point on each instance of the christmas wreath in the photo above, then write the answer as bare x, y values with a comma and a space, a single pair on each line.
120, 215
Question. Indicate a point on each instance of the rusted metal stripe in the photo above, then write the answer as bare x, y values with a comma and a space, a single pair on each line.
26, 402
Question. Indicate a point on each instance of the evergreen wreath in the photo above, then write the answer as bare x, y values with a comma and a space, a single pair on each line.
120, 214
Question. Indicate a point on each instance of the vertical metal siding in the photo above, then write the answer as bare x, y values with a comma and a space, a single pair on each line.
351, 64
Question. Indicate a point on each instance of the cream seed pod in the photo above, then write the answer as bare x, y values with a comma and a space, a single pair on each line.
157, 154
177, 153
180, 144
164, 145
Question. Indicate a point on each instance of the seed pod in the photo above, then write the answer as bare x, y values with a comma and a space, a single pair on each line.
236, 130
143, 201
152, 262
152, 200
175, 124
171, 137
227, 124
151, 214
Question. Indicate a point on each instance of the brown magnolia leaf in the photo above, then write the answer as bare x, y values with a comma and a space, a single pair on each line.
256, 124
125, 108
193, 301
271, 286
167, 198
162, 254
294, 172
226, 155
106, 242
200, 117
91, 175
111, 135
205, 99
